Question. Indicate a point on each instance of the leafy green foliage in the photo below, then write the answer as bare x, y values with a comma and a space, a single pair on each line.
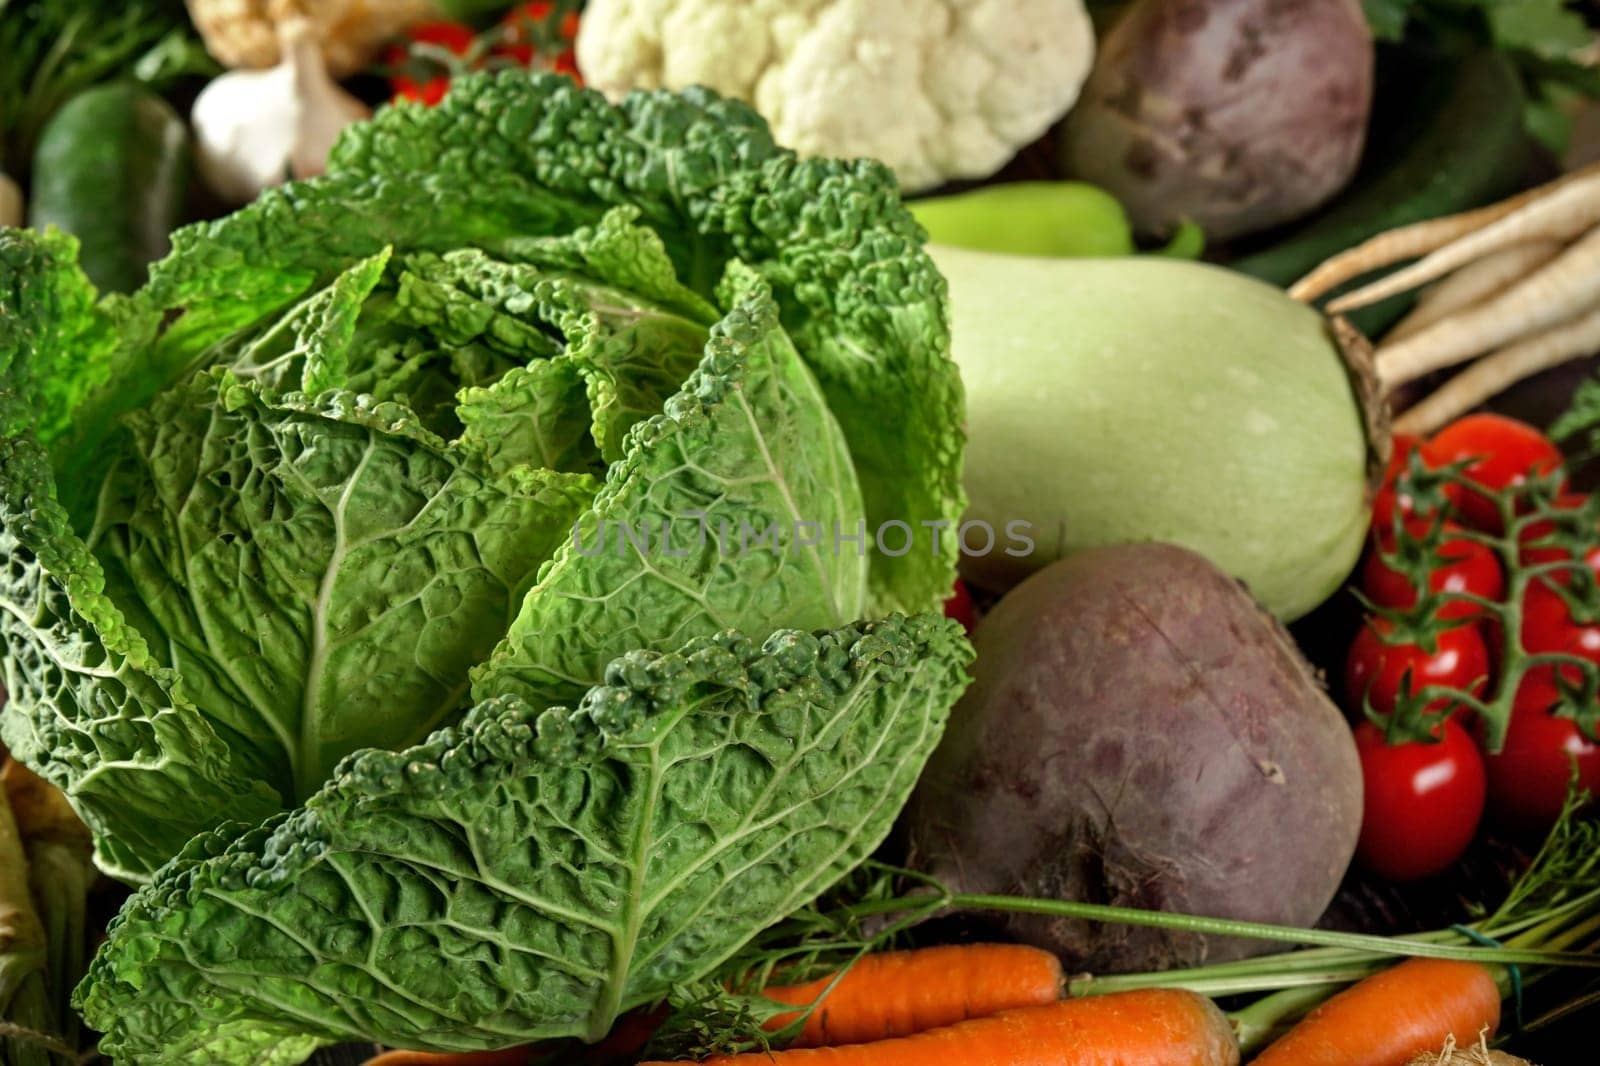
1545, 37
54, 49
1552, 29
330, 484
534, 873
310, 490
89, 703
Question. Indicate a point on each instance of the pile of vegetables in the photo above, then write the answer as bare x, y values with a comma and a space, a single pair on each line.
481, 553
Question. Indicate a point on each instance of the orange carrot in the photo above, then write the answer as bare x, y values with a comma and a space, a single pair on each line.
1154, 1027
897, 993
1393, 1015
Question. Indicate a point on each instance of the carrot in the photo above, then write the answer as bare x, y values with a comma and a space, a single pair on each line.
897, 993
1154, 1027
1392, 1016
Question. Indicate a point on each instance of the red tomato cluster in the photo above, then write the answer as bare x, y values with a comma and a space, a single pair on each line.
529, 36
1426, 795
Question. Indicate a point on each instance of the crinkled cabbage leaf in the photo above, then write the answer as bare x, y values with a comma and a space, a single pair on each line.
341, 469
531, 874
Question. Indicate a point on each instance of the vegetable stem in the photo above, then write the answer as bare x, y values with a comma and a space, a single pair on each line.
1096, 912
1258, 1023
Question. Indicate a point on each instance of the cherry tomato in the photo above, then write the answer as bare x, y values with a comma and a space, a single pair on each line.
1423, 801
1548, 626
1375, 671
407, 84
1533, 553
1384, 504
960, 607
1504, 453
1466, 567
519, 38
1528, 777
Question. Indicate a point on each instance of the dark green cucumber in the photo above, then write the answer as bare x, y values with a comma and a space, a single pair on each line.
112, 169
1447, 136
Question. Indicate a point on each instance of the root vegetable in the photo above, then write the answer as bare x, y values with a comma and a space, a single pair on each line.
1159, 1027
1494, 373
899, 993
1555, 293
1235, 114
1560, 214
1140, 733
1473, 284
1393, 1015
1417, 239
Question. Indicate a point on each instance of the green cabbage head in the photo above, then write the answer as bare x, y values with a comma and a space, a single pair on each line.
430, 581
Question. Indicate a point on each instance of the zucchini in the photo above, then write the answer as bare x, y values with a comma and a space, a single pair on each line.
112, 168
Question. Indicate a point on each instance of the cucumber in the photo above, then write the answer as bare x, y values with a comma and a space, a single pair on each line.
112, 168
1447, 136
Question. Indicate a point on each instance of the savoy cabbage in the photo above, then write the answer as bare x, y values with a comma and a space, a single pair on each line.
300, 604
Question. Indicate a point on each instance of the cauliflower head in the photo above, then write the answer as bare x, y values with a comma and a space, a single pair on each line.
938, 89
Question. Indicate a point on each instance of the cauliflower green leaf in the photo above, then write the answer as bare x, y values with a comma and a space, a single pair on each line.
529, 873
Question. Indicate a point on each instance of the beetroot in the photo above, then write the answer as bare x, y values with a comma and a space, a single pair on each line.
1236, 114
1140, 733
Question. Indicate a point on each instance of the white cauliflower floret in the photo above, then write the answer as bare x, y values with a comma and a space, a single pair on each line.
938, 89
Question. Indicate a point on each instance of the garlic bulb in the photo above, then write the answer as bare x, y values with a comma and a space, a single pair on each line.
256, 128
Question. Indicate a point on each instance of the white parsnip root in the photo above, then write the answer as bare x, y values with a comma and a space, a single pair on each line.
1472, 284
1420, 238
1494, 373
1515, 286
1566, 212
1566, 286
